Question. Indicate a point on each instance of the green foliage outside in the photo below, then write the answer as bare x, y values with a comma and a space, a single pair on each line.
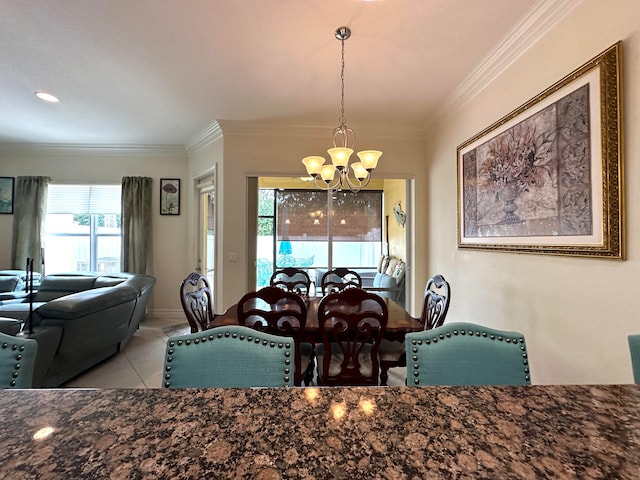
85, 220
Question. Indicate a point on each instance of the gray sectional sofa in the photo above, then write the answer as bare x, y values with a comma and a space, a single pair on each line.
389, 279
95, 314
13, 284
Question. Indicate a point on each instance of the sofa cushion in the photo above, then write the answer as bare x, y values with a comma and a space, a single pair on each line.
382, 280
59, 285
9, 283
398, 273
391, 267
21, 276
383, 263
84, 303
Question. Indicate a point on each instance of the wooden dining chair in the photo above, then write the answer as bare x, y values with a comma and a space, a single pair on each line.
462, 353
291, 279
435, 305
339, 279
352, 323
197, 302
280, 312
17, 361
228, 356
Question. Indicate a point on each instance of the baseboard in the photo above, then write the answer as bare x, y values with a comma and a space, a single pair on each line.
166, 313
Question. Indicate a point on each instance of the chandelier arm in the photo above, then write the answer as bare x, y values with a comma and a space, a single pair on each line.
327, 186
355, 185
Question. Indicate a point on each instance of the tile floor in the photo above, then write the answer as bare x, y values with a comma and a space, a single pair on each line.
140, 364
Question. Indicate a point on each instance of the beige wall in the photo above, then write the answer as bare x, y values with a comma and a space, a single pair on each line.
395, 191
253, 154
576, 313
169, 233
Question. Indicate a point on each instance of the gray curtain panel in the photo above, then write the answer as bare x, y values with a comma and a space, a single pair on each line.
136, 223
30, 208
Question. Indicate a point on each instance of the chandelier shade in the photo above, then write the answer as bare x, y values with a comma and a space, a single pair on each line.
339, 175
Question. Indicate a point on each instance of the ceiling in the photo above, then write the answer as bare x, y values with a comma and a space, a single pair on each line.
160, 72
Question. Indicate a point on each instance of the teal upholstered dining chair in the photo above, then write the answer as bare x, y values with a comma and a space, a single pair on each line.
634, 348
17, 361
466, 354
229, 356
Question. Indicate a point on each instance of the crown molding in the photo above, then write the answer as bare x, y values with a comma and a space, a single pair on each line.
93, 149
208, 136
538, 21
258, 128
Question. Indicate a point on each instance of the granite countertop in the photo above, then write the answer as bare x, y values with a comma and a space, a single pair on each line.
343, 433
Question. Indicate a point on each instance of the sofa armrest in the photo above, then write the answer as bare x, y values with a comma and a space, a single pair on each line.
10, 326
84, 303
12, 297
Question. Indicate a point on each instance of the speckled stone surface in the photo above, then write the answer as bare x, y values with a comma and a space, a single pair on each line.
307, 433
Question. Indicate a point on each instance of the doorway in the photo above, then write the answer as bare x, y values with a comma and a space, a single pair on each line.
207, 231
290, 231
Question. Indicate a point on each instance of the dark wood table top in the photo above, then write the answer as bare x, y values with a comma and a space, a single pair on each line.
531, 432
399, 323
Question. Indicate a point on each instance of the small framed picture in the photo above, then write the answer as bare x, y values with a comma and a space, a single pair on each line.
169, 196
6, 194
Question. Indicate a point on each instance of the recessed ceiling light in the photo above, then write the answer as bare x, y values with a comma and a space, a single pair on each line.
47, 97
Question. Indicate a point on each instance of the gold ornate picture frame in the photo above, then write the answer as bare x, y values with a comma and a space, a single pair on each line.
547, 178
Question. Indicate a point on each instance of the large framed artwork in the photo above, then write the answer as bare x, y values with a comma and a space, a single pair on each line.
6, 194
169, 196
548, 177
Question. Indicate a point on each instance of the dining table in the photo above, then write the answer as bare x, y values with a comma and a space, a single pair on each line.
483, 432
399, 322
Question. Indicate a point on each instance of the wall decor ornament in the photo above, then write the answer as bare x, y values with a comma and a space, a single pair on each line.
169, 196
6, 194
401, 216
548, 177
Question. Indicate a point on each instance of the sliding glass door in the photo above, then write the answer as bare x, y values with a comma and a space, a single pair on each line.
316, 231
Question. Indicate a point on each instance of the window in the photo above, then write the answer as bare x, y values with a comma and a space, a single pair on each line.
312, 229
82, 228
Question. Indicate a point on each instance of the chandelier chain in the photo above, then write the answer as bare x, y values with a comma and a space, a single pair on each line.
343, 120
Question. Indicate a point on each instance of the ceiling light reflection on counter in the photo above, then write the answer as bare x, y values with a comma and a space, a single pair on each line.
367, 406
43, 433
338, 410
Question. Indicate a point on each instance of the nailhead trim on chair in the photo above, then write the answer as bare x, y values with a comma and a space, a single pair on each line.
18, 365
477, 333
287, 346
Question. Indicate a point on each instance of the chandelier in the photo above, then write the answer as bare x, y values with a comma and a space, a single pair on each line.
339, 175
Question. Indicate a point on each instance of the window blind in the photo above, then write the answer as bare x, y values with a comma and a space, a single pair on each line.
84, 199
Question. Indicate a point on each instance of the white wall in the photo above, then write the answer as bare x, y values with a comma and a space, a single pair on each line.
103, 165
575, 313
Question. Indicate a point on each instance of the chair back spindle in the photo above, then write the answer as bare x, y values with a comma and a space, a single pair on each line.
352, 323
197, 302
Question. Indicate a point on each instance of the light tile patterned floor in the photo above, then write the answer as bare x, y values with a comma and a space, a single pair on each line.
140, 364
